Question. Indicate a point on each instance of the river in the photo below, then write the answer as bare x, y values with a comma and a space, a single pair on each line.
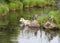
11, 32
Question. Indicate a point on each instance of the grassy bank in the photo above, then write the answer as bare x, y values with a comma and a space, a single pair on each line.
56, 18
17, 4
3, 9
20, 4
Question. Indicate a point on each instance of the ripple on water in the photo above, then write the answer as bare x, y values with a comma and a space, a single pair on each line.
29, 36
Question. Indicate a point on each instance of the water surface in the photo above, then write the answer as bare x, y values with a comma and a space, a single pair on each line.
11, 32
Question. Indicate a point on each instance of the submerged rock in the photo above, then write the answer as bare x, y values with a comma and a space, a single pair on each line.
34, 24
50, 25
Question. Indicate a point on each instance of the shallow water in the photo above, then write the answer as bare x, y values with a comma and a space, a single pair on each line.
35, 35
11, 32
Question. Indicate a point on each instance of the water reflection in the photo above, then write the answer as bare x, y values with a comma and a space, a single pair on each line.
28, 35
28, 32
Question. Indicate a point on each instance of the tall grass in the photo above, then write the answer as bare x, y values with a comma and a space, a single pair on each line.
18, 4
13, 0
3, 9
51, 2
15, 5
41, 2
26, 3
32, 3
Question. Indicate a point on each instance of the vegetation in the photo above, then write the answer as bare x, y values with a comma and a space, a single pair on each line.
15, 5
18, 4
51, 2
56, 19
41, 3
41, 20
3, 9
7, 5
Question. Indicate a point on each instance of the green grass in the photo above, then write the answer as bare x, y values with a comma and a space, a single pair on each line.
41, 20
15, 5
26, 3
41, 2
51, 2
13, 0
3, 9
56, 15
32, 3
56, 19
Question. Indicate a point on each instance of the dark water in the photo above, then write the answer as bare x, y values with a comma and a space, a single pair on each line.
11, 32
